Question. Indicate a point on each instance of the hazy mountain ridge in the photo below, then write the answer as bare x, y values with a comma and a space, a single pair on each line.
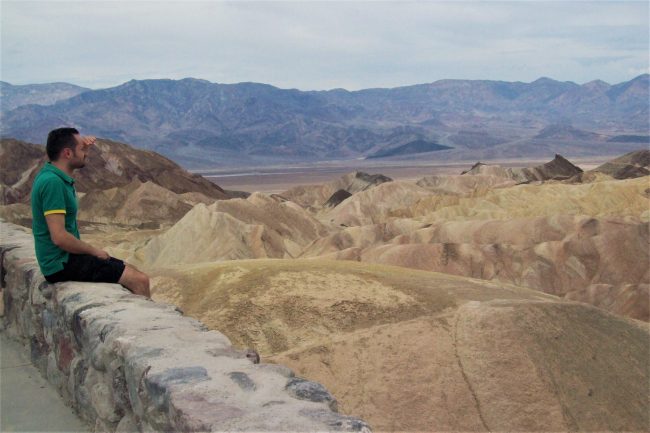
13, 96
200, 123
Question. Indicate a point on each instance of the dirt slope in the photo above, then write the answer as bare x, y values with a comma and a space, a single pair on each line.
603, 261
419, 351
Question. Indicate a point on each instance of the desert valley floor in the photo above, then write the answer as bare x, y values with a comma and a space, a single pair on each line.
278, 179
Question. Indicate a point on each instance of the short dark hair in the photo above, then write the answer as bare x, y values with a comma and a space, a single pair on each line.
58, 139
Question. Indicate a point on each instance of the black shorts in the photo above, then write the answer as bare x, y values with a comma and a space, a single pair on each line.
84, 267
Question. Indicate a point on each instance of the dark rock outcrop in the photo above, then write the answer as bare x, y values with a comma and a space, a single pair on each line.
628, 166
370, 180
337, 198
559, 168
317, 196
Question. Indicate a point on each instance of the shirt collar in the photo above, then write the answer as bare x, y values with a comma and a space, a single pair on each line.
54, 169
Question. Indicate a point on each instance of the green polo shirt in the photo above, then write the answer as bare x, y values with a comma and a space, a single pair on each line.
53, 192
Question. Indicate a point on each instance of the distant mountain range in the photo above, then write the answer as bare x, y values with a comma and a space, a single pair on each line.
41, 94
202, 124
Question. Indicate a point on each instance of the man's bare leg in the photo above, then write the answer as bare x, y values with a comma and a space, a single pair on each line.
135, 281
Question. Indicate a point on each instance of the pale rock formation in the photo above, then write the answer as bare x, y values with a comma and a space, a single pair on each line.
607, 198
380, 204
17, 213
464, 185
604, 262
361, 236
137, 203
257, 227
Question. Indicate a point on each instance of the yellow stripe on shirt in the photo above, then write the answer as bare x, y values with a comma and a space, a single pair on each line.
54, 211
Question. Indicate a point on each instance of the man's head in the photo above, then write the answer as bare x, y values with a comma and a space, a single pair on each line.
65, 145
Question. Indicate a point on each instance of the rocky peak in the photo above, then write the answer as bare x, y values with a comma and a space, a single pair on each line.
560, 166
631, 165
475, 168
109, 165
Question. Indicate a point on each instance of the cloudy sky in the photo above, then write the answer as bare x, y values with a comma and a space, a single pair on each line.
322, 45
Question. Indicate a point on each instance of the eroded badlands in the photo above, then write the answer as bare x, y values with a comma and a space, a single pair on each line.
445, 303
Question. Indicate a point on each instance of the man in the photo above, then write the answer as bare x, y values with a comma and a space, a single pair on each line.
61, 254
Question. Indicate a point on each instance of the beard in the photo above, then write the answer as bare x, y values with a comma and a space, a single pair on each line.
80, 163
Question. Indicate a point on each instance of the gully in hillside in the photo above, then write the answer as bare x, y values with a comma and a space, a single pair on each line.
61, 254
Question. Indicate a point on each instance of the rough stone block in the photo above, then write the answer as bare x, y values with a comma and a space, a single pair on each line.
103, 426
37, 295
48, 319
337, 422
54, 375
65, 354
39, 351
127, 424
101, 396
187, 404
242, 380
312, 391
78, 389
279, 369
119, 387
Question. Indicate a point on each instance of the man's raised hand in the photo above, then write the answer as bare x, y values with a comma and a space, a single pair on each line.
88, 140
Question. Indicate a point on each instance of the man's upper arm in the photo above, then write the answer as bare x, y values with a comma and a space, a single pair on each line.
53, 197
56, 225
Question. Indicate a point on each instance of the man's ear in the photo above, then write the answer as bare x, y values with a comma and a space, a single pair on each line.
66, 152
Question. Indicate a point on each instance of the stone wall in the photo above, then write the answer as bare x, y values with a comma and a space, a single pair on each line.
125, 363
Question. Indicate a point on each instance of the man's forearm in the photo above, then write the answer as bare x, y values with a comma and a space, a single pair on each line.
71, 244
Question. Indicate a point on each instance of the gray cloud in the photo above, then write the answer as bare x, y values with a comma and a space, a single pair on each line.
321, 45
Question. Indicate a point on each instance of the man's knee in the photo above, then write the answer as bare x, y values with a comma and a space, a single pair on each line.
144, 281
141, 286
136, 281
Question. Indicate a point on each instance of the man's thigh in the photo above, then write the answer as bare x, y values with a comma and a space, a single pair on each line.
84, 267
